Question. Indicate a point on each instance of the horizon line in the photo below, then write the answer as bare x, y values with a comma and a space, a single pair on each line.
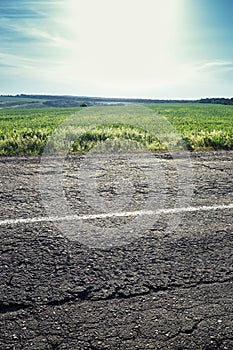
115, 97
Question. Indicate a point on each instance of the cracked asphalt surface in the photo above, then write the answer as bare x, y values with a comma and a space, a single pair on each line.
163, 290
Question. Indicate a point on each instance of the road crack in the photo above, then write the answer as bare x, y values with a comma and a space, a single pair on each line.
13, 307
121, 294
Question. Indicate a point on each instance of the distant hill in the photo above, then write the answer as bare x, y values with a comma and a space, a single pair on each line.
31, 101
65, 101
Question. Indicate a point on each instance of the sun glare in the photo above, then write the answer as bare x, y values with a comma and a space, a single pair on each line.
121, 43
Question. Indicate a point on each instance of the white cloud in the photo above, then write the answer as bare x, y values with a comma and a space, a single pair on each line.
217, 65
31, 29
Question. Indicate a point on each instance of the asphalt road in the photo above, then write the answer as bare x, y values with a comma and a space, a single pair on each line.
164, 289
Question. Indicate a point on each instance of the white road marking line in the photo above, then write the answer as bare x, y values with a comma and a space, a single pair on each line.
111, 215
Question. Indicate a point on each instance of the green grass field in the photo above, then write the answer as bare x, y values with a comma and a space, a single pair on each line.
25, 131
200, 126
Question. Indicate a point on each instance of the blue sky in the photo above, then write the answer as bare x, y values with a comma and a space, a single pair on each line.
128, 48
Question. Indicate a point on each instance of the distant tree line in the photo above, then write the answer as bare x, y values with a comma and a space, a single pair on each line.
217, 100
62, 103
